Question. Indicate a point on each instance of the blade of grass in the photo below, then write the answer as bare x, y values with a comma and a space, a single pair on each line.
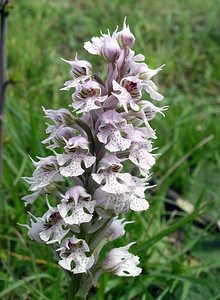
167, 231
22, 282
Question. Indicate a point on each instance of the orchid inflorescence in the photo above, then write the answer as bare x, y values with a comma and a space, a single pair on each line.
108, 131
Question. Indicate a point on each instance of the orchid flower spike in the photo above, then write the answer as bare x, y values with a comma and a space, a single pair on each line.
101, 160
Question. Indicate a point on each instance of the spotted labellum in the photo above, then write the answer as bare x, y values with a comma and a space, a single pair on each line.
100, 163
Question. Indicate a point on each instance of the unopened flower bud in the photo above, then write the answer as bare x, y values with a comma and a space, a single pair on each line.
90, 88
116, 230
125, 37
79, 67
34, 229
111, 49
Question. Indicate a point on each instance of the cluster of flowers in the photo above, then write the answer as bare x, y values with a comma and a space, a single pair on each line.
111, 131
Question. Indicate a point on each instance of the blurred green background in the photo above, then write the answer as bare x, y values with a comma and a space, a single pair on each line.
180, 261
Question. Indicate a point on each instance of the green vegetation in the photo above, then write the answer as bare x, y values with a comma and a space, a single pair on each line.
180, 260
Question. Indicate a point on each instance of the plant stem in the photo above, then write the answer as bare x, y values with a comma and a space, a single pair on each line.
73, 288
3, 78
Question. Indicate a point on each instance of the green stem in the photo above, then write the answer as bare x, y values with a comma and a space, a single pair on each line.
73, 289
